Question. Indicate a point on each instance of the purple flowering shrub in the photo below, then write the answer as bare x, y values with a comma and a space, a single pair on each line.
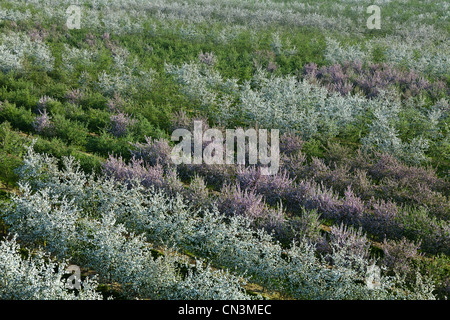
352, 77
273, 187
400, 254
42, 122
381, 176
153, 152
74, 96
207, 58
43, 103
116, 103
120, 124
246, 202
352, 245
135, 171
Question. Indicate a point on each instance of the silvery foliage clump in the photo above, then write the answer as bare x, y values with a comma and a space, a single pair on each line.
202, 83
108, 84
15, 47
122, 21
119, 255
289, 104
276, 102
124, 81
37, 277
384, 136
14, 15
400, 51
425, 51
205, 283
40, 218
335, 53
126, 76
78, 217
228, 242
281, 49
73, 57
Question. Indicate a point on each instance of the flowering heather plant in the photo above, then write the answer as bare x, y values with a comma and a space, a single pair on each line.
235, 201
42, 122
207, 58
90, 40
42, 104
273, 187
399, 255
271, 66
135, 171
38, 34
372, 79
352, 208
115, 104
264, 58
74, 96
381, 176
153, 152
120, 124
388, 166
290, 143
349, 241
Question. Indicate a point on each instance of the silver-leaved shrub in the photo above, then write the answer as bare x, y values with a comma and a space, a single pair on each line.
37, 277
16, 47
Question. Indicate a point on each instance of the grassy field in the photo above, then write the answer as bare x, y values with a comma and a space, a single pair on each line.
90, 94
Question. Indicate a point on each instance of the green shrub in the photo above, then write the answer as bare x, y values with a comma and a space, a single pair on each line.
72, 132
19, 117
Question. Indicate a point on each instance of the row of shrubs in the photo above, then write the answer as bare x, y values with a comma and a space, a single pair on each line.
94, 220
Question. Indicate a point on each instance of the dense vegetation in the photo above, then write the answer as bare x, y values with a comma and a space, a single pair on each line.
86, 176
